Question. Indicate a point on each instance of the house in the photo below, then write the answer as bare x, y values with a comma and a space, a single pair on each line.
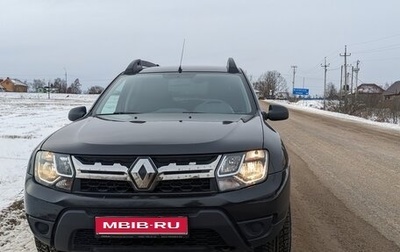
13, 85
369, 88
392, 91
282, 95
259, 94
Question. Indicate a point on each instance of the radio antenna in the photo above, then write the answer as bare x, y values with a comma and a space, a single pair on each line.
183, 50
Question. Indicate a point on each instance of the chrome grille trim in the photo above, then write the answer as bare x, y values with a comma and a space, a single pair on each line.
99, 171
189, 171
119, 172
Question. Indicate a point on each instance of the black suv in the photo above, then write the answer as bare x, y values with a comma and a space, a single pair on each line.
167, 159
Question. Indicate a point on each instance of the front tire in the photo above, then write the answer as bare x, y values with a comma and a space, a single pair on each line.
283, 241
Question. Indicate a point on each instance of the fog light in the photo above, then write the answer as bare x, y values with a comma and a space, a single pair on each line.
255, 228
42, 227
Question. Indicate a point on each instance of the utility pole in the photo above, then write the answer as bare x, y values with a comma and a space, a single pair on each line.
325, 66
345, 55
48, 90
348, 86
341, 80
352, 79
341, 87
356, 69
66, 77
294, 76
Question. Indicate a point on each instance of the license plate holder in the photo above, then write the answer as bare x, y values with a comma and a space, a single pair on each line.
141, 226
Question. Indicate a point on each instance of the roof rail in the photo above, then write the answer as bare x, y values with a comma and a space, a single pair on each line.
231, 66
138, 65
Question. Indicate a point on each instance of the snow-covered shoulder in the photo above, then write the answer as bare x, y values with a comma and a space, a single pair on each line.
316, 107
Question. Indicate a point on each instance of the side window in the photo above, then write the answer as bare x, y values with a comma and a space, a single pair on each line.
110, 103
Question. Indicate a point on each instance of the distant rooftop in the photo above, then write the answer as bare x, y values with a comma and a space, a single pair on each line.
394, 89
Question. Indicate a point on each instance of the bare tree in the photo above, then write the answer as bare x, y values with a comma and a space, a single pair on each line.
38, 84
331, 91
59, 84
271, 82
75, 87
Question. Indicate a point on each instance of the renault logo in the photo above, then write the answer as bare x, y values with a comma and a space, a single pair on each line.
143, 173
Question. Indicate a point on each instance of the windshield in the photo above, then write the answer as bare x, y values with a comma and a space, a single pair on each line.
216, 93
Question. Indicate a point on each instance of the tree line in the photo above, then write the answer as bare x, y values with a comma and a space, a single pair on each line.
269, 83
60, 86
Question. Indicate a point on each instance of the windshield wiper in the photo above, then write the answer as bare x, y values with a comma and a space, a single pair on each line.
193, 112
247, 118
120, 113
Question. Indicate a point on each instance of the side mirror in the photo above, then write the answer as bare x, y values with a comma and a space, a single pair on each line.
76, 113
276, 113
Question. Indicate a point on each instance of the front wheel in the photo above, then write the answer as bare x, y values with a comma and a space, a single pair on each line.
282, 242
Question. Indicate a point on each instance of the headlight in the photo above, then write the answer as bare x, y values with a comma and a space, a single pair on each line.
242, 169
54, 170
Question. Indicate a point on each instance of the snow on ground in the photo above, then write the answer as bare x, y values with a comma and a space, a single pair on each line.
315, 106
26, 119
14, 230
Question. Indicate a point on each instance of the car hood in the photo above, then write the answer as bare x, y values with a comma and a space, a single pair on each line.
158, 135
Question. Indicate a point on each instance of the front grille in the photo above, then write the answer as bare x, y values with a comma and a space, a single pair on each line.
86, 239
104, 186
143, 212
126, 161
167, 186
186, 174
183, 160
158, 160
184, 186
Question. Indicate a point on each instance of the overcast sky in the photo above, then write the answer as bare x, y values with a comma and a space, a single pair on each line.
94, 40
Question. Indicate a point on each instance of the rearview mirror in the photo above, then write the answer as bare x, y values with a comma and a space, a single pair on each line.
76, 113
276, 113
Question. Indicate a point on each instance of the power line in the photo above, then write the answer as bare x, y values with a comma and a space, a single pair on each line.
375, 40
334, 69
382, 59
316, 67
380, 49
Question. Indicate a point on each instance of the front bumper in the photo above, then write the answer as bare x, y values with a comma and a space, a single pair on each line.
234, 221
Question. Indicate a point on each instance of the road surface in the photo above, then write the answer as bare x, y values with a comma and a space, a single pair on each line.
345, 183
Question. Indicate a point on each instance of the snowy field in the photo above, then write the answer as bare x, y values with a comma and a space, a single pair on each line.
26, 119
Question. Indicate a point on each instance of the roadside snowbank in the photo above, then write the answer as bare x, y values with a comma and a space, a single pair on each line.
315, 106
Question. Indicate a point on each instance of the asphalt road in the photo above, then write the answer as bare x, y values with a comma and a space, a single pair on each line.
345, 184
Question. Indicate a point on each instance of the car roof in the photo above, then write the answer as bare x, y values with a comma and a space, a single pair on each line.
171, 69
143, 66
